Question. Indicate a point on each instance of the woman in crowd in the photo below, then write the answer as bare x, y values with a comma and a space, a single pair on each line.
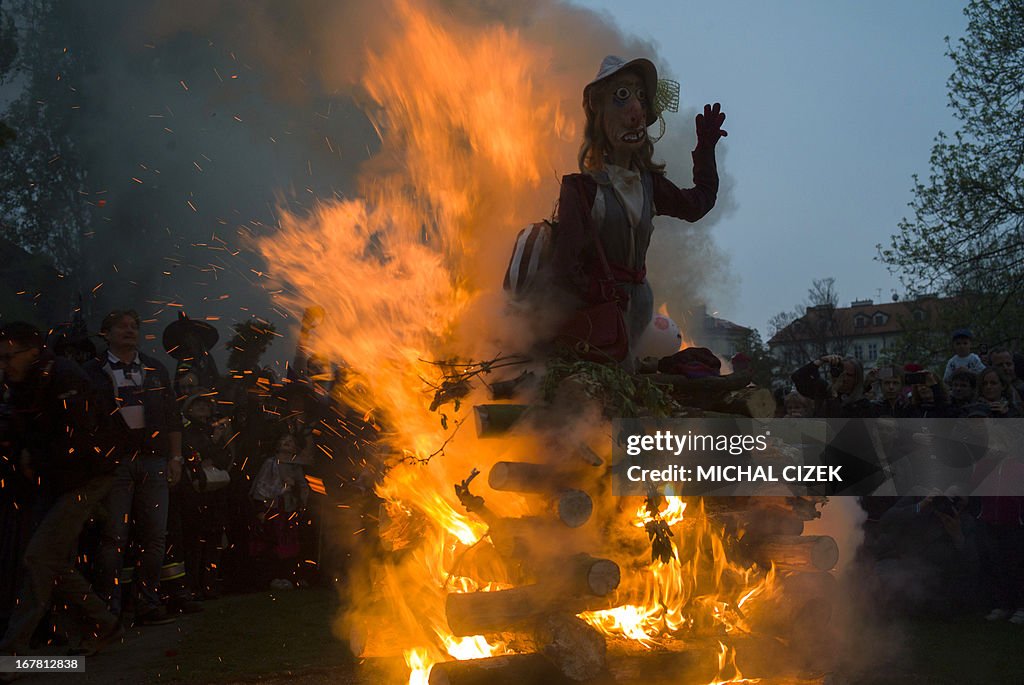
995, 394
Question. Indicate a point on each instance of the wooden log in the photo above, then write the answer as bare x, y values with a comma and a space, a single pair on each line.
573, 507
513, 669
508, 389
796, 552
758, 403
710, 386
697, 662
494, 420
476, 613
572, 645
518, 476
753, 523
528, 537
582, 574
672, 662
752, 402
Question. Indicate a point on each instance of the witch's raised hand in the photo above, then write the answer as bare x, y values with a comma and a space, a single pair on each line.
709, 126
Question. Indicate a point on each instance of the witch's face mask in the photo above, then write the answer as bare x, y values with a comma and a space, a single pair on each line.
624, 102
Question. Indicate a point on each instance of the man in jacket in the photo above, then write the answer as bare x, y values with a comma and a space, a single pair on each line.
51, 428
144, 429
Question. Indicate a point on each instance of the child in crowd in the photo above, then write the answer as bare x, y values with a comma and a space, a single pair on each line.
962, 358
280, 493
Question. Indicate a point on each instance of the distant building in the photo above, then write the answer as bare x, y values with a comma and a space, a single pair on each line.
719, 335
864, 330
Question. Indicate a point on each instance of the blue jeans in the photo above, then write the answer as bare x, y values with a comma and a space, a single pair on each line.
139, 495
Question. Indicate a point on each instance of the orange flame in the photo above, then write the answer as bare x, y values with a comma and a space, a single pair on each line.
407, 273
693, 587
403, 272
727, 660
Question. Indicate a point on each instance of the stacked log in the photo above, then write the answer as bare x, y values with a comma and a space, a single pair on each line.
729, 395
584, 587
795, 552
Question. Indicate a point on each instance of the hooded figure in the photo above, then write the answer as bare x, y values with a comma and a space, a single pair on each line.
620, 189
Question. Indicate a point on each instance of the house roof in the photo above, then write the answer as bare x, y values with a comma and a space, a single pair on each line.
893, 319
713, 323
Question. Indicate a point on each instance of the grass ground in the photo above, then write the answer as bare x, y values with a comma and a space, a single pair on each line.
285, 637
246, 636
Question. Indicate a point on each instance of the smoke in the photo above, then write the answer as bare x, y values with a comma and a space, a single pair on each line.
200, 120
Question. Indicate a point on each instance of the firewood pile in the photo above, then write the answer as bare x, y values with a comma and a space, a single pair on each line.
556, 577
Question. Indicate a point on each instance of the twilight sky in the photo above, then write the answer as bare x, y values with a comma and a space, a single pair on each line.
832, 107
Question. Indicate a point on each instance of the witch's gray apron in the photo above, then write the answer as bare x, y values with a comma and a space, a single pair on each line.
629, 249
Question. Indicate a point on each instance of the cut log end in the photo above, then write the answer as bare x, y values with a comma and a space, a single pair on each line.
574, 508
797, 552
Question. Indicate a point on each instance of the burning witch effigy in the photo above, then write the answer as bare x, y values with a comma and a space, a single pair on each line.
500, 555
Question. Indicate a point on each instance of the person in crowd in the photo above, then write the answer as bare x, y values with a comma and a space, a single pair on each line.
207, 440
797, 406
843, 397
963, 388
144, 430
892, 402
53, 428
995, 394
928, 399
280, 494
605, 212
254, 417
189, 341
923, 557
962, 357
197, 516
1002, 359
1001, 538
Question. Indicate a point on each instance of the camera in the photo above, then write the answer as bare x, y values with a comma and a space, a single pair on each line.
916, 378
835, 370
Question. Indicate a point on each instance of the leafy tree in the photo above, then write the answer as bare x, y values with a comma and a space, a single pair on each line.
8, 52
812, 329
762, 364
41, 206
966, 235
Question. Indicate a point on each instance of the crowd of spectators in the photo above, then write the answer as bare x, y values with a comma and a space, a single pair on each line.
131, 492
930, 548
